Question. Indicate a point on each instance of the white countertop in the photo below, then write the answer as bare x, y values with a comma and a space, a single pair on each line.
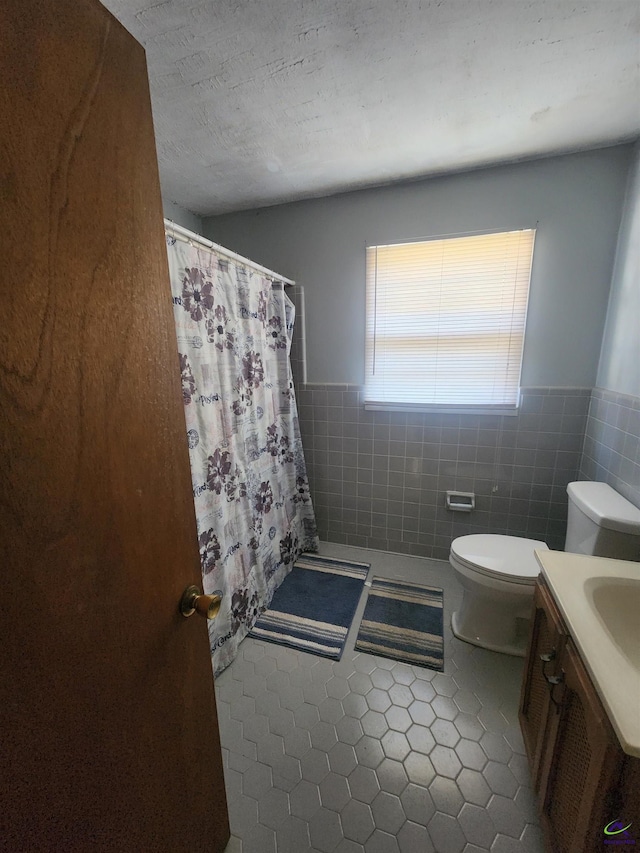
599, 599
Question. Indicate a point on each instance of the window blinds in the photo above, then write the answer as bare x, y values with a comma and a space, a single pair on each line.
445, 321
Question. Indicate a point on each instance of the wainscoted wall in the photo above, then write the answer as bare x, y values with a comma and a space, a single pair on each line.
378, 479
298, 354
612, 443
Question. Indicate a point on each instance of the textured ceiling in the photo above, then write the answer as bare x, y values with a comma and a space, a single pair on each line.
258, 102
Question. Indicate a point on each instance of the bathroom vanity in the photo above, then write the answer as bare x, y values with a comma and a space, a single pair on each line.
580, 701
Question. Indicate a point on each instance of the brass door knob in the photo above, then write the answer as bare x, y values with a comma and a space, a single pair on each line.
193, 601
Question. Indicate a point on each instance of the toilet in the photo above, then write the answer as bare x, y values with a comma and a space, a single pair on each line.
497, 573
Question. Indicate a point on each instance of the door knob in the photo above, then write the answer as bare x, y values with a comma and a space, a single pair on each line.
193, 601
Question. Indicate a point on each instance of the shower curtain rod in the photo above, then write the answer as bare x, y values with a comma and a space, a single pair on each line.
192, 237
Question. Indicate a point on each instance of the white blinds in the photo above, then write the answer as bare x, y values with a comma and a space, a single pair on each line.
445, 320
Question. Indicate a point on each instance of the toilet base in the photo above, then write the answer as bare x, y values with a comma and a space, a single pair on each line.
497, 575
516, 645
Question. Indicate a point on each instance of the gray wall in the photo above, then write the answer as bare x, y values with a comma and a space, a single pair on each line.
181, 216
378, 478
619, 368
576, 202
611, 450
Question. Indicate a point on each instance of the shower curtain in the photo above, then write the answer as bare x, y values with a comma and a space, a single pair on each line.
250, 489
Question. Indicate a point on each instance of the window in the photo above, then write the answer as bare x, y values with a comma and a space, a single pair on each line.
445, 322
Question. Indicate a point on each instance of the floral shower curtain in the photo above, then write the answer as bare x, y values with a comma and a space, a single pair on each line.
253, 509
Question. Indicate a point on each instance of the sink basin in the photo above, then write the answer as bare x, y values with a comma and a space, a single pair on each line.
599, 599
617, 604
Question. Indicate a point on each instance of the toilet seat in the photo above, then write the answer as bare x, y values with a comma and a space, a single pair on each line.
508, 558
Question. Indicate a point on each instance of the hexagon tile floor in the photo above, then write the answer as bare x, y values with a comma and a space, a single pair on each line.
368, 754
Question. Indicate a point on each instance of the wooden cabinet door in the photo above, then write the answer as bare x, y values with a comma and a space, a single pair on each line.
107, 709
543, 656
581, 764
625, 802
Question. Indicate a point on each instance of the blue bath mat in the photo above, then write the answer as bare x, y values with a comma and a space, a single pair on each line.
403, 621
313, 608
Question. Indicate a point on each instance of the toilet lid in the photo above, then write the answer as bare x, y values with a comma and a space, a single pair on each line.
494, 554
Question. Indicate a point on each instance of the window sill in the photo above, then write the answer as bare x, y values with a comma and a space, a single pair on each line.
510, 411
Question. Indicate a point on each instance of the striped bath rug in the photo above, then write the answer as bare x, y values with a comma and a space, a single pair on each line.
313, 607
403, 621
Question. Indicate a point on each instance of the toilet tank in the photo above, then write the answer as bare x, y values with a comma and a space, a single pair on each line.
601, 522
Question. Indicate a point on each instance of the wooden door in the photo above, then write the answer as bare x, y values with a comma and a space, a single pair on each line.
107, 710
